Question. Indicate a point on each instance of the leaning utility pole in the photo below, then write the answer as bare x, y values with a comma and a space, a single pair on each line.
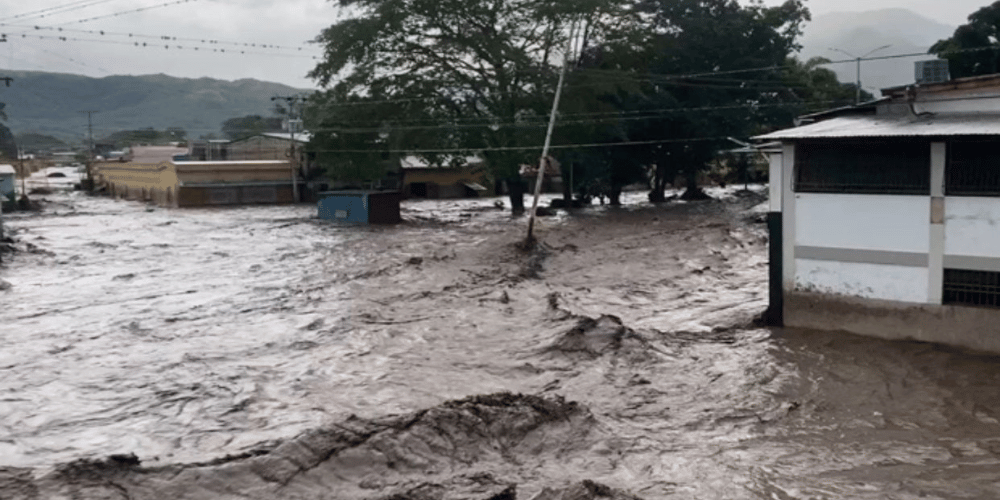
293, 101
544, 161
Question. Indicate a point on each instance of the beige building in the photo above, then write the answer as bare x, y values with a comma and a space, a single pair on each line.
422, 180
151, 174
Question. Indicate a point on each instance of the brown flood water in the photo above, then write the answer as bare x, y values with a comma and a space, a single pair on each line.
258, 353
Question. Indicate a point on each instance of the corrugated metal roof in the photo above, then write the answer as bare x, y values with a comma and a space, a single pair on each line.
302, 136
7, 169
893, 126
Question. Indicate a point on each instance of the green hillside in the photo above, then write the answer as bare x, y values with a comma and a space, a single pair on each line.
51, 103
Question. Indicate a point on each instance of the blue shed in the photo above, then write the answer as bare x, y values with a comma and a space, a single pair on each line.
360, 206
7, 174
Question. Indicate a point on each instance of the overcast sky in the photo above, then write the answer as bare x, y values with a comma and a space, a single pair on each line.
290, 24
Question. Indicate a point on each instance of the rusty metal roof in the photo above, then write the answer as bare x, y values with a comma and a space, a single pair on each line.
845, 127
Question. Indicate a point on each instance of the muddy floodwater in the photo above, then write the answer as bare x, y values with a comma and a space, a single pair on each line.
259, 353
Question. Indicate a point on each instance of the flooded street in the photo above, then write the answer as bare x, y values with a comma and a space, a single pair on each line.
258, 353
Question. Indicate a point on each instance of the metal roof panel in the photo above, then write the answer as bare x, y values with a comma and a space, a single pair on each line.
893, 126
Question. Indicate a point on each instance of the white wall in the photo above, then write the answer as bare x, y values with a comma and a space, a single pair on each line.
863, 222
898, 225
870, 281
972, 226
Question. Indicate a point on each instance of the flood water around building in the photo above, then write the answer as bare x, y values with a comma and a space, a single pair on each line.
257, 352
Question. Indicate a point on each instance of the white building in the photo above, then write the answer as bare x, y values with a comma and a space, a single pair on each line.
886, 216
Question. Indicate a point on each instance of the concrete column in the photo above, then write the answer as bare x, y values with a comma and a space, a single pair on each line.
776, 303
774, 178
788, 216
935, 261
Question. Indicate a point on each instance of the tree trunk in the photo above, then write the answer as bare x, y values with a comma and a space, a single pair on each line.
567, 187
615, 195
656, 195
692, 191
515, 191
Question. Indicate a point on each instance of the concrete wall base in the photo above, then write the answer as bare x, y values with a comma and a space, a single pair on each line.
967, 327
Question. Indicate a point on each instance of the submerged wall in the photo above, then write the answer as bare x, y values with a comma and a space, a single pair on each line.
975, 328
878, 264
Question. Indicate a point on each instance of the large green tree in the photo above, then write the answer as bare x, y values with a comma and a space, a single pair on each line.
444, 78
705, 58
982, 32
679, 79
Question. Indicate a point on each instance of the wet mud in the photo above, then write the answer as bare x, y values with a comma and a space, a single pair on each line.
258, 353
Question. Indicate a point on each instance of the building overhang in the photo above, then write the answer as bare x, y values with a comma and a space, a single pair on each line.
859, 127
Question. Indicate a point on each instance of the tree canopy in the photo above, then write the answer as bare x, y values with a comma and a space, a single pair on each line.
981, 32
249, 125
653, 84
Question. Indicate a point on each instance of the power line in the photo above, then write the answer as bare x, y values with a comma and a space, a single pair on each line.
203, 41
122, 13
539, 124
193, 48
521, 148
57, 9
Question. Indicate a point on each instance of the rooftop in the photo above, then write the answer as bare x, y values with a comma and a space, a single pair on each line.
953, 124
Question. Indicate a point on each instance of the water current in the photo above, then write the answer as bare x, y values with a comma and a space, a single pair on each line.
257, 352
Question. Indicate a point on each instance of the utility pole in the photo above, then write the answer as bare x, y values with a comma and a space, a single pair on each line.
90, 152
857, 60
544, 161
294, 102
90, 129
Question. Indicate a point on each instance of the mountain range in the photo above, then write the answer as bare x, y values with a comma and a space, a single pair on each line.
55, 104
857, 33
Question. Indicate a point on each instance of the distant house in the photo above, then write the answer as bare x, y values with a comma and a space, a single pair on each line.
885, 216
269, 146
153, 174
421, 179
552, 181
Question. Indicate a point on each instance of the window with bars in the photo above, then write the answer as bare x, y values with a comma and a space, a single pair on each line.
863, 166
973, 168
973, 288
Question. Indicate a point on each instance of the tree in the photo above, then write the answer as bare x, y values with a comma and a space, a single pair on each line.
807, 87
33, 142
8, 146
675, 75
719, 47
149, 135
444, 78
249, 125
981, 32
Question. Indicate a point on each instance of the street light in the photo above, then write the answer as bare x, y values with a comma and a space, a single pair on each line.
857, 59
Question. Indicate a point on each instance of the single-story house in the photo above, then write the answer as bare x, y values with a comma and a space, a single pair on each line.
421, 179
884, 216
552, 181
269, 146
152, 174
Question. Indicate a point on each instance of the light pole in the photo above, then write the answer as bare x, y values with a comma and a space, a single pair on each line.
857, 59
